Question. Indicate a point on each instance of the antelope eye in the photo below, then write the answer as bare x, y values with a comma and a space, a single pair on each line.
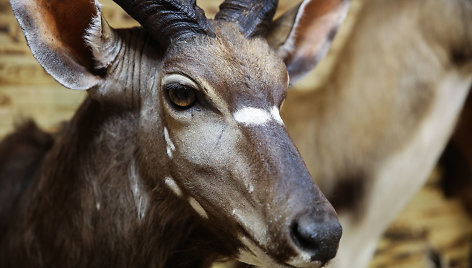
181, 96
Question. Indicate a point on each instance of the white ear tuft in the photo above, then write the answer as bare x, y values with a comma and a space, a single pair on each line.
100, 38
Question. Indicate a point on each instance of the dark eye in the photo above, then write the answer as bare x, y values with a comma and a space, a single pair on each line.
180, 95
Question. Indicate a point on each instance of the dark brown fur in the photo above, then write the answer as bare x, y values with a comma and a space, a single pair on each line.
21, 153
53, 219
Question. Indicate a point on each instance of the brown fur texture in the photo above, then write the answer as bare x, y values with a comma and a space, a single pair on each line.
21, 154
57, 226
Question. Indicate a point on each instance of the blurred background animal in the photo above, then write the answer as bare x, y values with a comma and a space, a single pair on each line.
373, 129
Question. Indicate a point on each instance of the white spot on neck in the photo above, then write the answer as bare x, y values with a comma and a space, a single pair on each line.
197, 207
170, 145
257, 116
251, 188
96, 193
173, 186
139, 196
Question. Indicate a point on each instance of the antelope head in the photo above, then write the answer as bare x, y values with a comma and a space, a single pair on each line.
206, 97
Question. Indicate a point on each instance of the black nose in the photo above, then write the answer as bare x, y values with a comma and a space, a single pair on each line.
317, 235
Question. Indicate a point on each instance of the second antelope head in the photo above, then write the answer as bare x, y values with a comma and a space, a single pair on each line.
205, 95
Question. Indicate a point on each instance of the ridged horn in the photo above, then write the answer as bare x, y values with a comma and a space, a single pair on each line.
168, 20
253, 17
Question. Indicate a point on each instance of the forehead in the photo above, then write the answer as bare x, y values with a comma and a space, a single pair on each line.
243, 72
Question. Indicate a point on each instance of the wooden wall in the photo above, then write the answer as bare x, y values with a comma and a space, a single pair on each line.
26, 91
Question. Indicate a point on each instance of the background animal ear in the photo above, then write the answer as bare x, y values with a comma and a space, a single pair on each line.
55, 31
303, 35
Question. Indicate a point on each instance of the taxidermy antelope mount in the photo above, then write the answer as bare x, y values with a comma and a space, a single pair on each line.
178, 156
373, 130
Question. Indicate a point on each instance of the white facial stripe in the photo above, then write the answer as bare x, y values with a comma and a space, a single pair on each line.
173, 186
177, 78
252, 116
170, 144
256, 116
197, 207
276, 115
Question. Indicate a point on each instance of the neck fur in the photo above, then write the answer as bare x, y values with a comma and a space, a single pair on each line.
90, 205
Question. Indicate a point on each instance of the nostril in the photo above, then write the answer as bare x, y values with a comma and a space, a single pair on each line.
317, 236
304, 238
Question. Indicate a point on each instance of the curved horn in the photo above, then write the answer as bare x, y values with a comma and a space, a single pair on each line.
253, 17
168, 20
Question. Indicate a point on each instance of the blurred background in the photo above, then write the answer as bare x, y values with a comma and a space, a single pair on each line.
430, 223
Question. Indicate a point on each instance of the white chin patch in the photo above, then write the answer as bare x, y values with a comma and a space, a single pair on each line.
256, 256
303, 260
255, 116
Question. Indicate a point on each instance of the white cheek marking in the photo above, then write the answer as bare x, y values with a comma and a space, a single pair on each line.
198, 208
252, 116
303, 260
173, 186
276, 115
170, 144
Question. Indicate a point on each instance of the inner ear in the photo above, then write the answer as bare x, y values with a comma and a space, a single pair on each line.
55, 30
68, 24
303, 35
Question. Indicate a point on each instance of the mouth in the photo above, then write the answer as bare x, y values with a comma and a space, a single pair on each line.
254, 254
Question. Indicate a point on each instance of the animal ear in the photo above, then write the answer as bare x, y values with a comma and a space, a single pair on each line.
303, 35
55, 31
